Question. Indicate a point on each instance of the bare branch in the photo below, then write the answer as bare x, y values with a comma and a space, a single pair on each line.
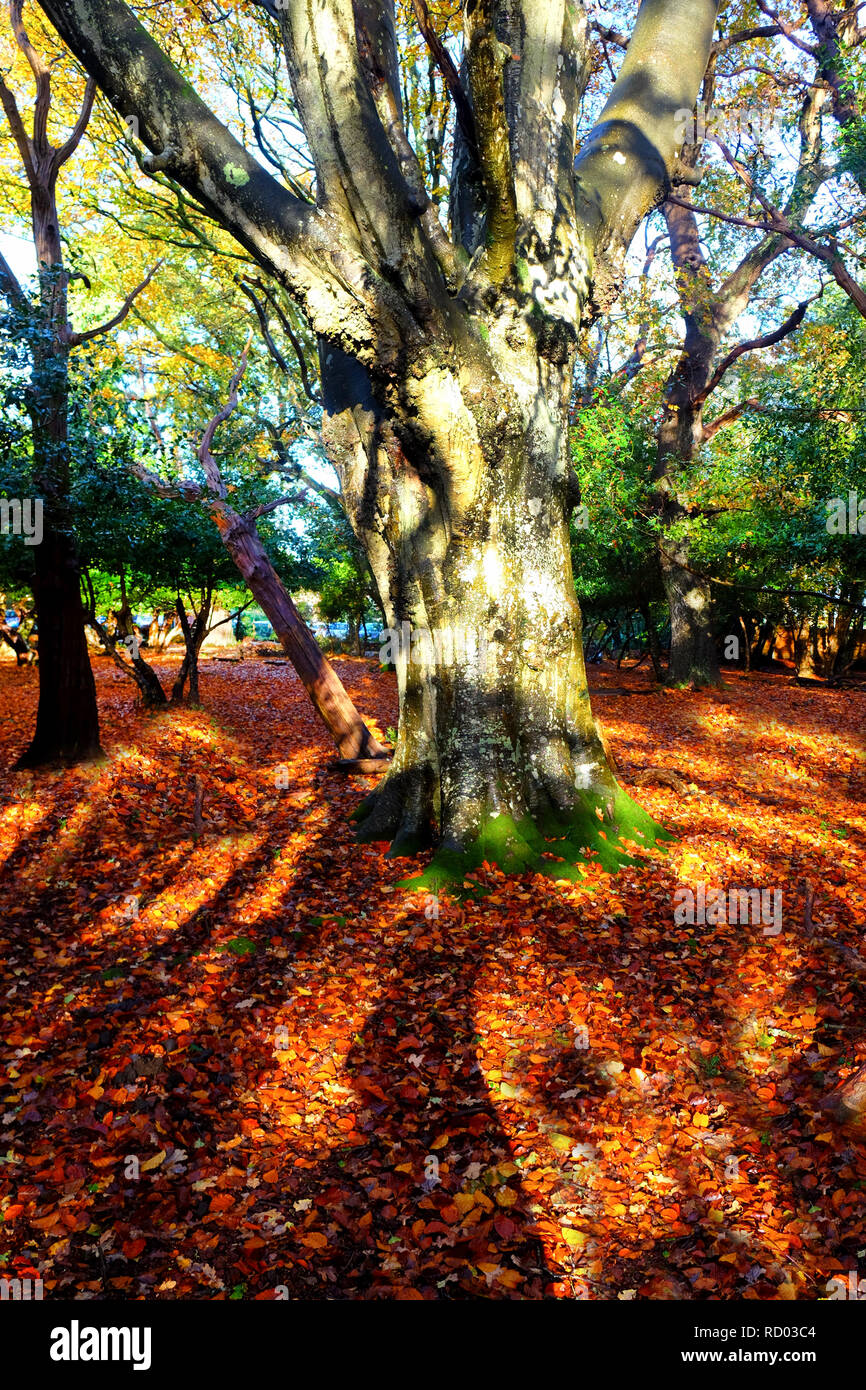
264, 507
828, 253
263, 325
187, 492
76, 339
756, 345
787, 29
450, 75
69, 147
42, 74
614, 36
22, 139
203, 453
729, 417
297, 347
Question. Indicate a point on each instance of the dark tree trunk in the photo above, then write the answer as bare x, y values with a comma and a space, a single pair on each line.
693, 659
67, 719
23, 654
148, 682
193, 636
655, 650
747, 641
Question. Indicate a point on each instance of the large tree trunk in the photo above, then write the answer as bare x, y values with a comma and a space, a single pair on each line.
496, 739
693, 657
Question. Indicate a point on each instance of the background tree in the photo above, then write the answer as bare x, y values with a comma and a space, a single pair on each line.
67, 722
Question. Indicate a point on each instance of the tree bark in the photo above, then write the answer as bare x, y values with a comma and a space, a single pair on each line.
350, 733
67, 719
710, 311
653, 643
485, 631
193, 636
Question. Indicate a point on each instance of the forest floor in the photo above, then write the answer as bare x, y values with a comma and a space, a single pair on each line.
248, 1065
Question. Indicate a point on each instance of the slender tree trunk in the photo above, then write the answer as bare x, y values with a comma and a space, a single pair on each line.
747, 652
655, 650
693, 659
625, 646
150, 689
324, 687
193, 635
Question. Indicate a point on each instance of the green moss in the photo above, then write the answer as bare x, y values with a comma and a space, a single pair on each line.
597, 831
236, 175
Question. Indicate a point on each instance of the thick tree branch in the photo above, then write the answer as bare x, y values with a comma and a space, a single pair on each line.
278, 229
22, 139
68, 148
10, 287
759, 31
42, 74
628, 161
609, 35
836, 33
484, 63
729, 417
264, 507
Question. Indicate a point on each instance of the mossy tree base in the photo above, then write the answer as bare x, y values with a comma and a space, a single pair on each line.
601, 830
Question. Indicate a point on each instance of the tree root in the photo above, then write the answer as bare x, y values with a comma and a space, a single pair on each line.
360, 767
663, 776
399, 810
